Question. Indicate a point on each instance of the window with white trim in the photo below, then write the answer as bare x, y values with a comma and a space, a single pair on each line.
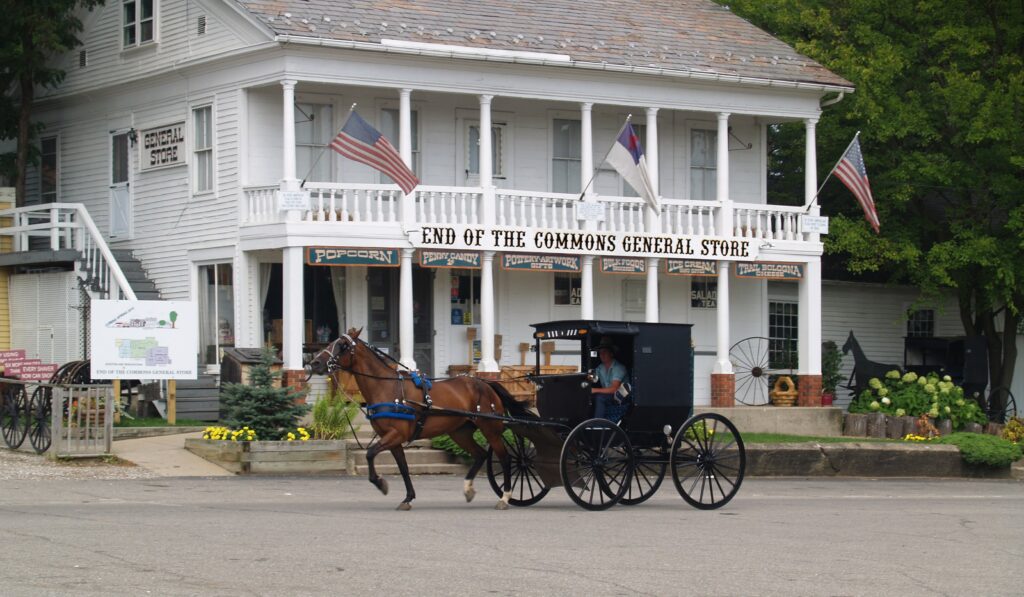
498, 167
49, 169
138, 22
568, 289
390, 127
783, 334
921, 323
703, 164
566, 152
202, 150
314, 130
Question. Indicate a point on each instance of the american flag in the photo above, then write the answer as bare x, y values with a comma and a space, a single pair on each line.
361, 142
850, 170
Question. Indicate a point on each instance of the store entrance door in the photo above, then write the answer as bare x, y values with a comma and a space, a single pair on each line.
383, 286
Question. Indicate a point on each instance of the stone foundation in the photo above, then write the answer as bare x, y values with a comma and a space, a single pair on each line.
723, 390
809, 388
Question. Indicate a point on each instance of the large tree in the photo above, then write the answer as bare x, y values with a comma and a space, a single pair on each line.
32, 33
940, 101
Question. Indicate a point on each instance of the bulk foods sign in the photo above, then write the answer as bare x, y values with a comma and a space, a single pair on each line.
509, 239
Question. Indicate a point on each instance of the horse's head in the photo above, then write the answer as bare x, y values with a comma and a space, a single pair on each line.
337, 355
850, 341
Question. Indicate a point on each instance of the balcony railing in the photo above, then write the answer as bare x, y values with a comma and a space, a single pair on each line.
353, 203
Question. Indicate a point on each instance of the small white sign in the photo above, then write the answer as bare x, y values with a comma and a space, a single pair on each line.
814, 224
591, 211
287, 200
143, 339
162, 147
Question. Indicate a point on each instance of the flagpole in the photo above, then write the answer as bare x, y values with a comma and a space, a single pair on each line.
598, 167
322, 151
807, 207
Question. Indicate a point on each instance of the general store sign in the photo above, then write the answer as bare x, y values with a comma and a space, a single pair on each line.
575, 242
445, 259
690, 267
343, 256
541, 263
162, 147
770, 271
623, 265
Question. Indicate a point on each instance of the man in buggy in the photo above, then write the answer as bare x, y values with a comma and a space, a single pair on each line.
612, 390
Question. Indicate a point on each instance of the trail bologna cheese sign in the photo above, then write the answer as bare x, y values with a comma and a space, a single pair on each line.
770, 271
163, 146
575, 242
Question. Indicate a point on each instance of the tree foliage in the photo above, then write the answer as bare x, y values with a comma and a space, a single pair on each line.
32, 34
940, 100
261, 405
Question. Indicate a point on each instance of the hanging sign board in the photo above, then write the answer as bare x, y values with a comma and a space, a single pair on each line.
591, 211
143, 339
447, 259
288, 200
770, 271
623, 265
162, 147
541, 263
814, 224
690, 267
343, 256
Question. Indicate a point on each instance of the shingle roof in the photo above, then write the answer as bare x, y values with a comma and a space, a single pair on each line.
695, 36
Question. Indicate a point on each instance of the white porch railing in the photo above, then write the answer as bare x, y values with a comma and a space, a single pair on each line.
69, 226
380, 204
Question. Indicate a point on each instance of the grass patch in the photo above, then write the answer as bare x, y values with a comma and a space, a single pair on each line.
158, 422
779, 438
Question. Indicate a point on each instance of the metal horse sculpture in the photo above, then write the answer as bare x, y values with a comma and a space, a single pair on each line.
863, 369
403, 406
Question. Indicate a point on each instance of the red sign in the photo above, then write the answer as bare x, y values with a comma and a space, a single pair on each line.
10, 356
37, 372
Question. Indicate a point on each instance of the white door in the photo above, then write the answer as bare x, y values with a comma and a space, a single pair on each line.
120, 187
45, 313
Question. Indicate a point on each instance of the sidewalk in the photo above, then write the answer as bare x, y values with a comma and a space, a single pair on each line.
166, 456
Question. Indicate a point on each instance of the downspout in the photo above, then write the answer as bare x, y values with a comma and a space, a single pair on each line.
833, 101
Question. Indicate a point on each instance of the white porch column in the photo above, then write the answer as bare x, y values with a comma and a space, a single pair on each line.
722, 364
587, 288
586, 144
408, 214
293, 308
653, 220
289, 182
488, 209
241, 273
809, 308
406, 340
487, 362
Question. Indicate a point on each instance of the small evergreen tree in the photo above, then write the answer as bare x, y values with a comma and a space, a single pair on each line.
266, 409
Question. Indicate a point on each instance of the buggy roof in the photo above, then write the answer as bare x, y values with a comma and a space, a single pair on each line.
578, 329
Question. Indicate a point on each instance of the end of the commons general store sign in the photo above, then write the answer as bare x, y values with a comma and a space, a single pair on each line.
623, 244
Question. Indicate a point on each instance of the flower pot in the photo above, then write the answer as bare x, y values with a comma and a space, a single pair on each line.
827, 398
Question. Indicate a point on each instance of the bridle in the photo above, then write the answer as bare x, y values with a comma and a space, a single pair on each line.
334, 360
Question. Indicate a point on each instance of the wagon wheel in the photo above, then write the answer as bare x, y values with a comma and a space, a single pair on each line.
1001, 405
648, 472
708, 461
596, 464
527, 486
13, 415
39, 419
751, 364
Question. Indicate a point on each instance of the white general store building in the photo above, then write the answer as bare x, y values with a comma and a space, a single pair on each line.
180, 123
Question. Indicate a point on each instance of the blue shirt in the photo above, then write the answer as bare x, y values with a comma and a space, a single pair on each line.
607, 375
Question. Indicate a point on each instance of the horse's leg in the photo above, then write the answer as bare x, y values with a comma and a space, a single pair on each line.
492, 430
403, 467
463, 437
388, 440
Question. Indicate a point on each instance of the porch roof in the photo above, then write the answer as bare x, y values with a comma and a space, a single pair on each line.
695, 36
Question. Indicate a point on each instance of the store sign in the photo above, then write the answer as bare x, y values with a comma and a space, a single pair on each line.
770, 271
288, 200
541, 263
162, 147
342, 256
575, 242
143, 339
623, 265
703, 294
814, 224
445, 259
690, 267
590, 211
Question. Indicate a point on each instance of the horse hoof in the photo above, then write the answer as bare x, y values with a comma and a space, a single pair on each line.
470, 494
382, 485
501, 505
404, 506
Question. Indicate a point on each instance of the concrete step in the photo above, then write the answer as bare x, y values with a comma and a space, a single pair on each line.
125, 254
365, 440
413, 457
420, 469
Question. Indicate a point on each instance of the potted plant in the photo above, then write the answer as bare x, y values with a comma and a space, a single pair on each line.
831, 360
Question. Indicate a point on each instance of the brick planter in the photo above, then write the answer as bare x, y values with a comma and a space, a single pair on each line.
273, 457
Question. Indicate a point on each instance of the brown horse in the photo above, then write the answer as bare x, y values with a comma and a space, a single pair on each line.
398, 410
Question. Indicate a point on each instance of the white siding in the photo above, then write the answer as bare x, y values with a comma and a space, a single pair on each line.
45, 316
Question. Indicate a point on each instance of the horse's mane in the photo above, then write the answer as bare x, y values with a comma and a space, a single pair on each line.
512, 406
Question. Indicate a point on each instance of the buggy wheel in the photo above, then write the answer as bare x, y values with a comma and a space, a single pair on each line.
596, 464
39, 422
708, 461
14, 415
527, 486
752, 366
648, 472
1001, 405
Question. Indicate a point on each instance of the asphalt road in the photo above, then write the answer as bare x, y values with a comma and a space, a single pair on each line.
338, 536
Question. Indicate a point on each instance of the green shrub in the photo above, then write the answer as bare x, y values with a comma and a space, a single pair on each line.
332, 416
265, 409
443, 442
1014, 430
985, 450
911, 395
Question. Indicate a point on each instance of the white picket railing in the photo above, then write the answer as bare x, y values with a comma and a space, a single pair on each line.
688, 217
69, 226
771, 222
533, 209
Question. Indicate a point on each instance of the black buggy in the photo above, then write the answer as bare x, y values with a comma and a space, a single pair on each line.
603, 462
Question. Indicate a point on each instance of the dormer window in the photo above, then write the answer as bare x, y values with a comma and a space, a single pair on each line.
139, 22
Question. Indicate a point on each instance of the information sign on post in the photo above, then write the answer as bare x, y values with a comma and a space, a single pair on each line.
288, 200
143, 339
814, 224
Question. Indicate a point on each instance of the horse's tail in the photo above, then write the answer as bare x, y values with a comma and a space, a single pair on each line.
512, 406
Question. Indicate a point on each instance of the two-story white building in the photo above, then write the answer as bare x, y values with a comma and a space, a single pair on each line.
194, 135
